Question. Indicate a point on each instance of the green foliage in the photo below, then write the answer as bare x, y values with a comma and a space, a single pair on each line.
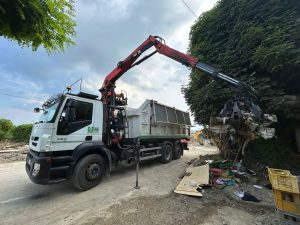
246, 37
22, 133
38, 22
9, 132
6, 128
272, 153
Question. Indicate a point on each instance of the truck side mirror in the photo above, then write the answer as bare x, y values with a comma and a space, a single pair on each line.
36, 110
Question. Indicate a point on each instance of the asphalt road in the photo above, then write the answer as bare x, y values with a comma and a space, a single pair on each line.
23, 202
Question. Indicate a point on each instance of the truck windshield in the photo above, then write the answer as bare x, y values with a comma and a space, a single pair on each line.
49, 109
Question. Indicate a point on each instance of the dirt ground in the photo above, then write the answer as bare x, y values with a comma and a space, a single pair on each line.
216, 207
12, 152
213, 209
115, 201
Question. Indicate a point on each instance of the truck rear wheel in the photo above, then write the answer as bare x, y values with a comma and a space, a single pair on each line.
88, 172
177, 150
166, 152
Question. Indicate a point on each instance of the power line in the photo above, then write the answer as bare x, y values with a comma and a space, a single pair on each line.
189, 8
15, 96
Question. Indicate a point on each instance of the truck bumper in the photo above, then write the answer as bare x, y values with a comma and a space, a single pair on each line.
37, 175
40, 169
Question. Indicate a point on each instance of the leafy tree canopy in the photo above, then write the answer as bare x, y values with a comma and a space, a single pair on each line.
10, 132
244, 37
22, 133
6, 128
38, 22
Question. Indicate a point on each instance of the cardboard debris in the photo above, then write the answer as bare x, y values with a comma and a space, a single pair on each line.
188, 185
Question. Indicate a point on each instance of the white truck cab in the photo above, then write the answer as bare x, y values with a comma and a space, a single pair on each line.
67, 121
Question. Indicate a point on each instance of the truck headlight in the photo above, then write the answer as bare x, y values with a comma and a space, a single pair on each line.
36, 169
37, 166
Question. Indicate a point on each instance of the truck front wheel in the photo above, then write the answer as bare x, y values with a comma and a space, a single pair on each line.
166, 152
88, 172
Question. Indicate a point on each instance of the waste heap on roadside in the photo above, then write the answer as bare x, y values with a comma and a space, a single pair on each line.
203, 174
227, 173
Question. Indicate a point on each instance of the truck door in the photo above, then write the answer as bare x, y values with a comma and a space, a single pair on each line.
73, 124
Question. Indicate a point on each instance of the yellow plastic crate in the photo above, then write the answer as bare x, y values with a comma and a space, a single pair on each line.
283, 180
287, 201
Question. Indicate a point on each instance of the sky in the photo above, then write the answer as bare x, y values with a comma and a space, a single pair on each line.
107, 31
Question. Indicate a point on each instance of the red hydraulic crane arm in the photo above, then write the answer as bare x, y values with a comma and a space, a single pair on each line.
131, 61
163, 49
180, 57
108, 85
127, 63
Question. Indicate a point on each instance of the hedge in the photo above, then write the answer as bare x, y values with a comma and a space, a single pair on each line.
10, 132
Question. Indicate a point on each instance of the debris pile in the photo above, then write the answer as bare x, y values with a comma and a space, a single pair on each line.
232, 136
218, 174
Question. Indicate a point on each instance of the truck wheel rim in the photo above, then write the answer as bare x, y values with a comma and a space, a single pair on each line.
93, 171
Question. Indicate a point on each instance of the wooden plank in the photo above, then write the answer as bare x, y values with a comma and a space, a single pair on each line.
191, 193
199, 173
188, 185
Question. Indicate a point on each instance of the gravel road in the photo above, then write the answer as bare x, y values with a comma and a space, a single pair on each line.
115, 201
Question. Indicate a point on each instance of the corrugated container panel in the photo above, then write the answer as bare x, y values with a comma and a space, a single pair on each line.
153, 118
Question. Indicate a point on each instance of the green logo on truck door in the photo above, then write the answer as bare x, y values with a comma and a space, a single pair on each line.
93, 130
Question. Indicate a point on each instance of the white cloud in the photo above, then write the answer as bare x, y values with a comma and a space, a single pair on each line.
19, 116
15, 85
107, 31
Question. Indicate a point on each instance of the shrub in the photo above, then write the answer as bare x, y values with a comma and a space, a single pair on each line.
273, 153
6, 129
22, 133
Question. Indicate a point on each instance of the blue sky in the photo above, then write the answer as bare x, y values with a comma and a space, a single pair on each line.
107, 31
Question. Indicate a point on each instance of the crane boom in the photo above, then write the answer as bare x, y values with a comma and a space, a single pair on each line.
162, 48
